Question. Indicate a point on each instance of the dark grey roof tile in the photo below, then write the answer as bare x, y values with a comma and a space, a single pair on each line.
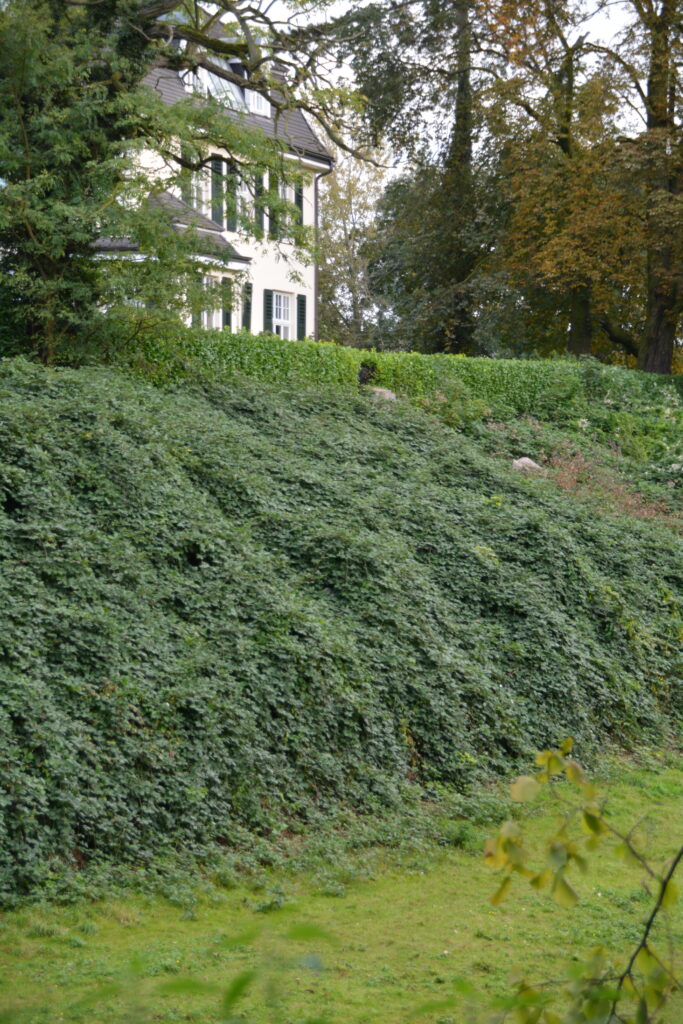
182, 215
290, 126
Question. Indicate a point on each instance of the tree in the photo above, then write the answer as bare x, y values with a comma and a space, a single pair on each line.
650, 53
75, 116
572, 236
591, 251
433, 222
630, 185
348, 310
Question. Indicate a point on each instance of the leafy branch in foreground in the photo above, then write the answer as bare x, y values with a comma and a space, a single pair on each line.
598, 990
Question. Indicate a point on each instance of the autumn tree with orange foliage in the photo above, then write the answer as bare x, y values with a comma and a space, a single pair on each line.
584, 133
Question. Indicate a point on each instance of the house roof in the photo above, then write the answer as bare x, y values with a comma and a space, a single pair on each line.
182, 216
290, 126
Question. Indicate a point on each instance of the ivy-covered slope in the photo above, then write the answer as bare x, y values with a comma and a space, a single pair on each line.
227, 607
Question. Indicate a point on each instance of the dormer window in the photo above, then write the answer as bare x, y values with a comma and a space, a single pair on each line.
257, 103
209, 83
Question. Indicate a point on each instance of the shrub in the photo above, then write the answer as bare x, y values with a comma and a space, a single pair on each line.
225, 607
641, 412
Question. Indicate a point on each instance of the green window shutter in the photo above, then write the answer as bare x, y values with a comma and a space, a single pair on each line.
195, 300
259, 210
186, 179
227, 304
246, 306
299, 202
268, 310
301, 317
217, 206
186, 186
275, 217
231, 187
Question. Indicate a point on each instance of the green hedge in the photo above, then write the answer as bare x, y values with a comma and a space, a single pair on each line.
562, 391
225, 607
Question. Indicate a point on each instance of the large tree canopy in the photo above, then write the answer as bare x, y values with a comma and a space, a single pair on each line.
580, 123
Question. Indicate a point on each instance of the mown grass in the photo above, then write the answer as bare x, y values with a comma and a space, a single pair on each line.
419, 921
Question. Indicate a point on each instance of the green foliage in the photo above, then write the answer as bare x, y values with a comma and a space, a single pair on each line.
348, 207
639, 414
88, 151
227, 608
405, 933
61, 129
600, 989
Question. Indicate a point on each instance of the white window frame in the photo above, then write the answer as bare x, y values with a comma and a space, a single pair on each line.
206, 83
212, 319
246, 201
258, 103
282, 314
199, 191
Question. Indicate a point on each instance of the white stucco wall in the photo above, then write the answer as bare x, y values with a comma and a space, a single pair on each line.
276, 265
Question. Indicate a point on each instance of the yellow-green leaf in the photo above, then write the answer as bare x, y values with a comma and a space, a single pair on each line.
541, 880
524, 788
670, 894
590, 792
574, 773
592, 822
625, 852
629, 987
581, 863
566, 747
645, 962
563, 893
493, 855
510, 830
516, 852
501, 892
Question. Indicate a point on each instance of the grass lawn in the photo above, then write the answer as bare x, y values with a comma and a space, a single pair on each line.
399, 939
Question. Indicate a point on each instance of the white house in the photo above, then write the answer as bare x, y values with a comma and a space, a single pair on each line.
278, 292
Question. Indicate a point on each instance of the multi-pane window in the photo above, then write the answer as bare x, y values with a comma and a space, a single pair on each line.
281, 222
258, 104
281, 314
207, 83
193, 188
211, 318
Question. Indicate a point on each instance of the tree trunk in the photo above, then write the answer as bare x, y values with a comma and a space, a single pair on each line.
665, 153
460, 150
460, 259
580, 341
657, 349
